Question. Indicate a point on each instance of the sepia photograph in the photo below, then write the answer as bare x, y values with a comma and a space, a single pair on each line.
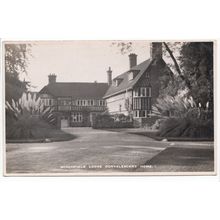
116, 107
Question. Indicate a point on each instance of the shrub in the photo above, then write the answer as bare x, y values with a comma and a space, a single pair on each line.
181, 117
25, 115
115, 121
186, 127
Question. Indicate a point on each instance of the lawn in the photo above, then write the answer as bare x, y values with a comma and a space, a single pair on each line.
182, 159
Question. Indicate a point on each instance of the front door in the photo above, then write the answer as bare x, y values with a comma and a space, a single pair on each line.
64, 122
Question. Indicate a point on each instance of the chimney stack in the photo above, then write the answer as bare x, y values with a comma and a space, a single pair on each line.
109, 75
52, 78
132, 60
156, 50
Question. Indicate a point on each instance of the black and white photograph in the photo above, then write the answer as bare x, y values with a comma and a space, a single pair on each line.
109, 107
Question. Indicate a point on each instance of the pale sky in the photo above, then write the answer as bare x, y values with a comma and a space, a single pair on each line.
79, 61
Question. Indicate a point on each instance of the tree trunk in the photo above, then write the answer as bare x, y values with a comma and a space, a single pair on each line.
177, 66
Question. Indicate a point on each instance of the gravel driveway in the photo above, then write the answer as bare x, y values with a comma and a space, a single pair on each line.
92, 151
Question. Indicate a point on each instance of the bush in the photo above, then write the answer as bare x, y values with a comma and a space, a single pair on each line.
28, 128
182, 117
187, 127
26, 117
116, 121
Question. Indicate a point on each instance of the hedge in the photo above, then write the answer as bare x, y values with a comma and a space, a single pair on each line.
107, 121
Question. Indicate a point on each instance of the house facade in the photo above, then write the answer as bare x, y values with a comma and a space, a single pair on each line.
76, 103
131, 93
135, 91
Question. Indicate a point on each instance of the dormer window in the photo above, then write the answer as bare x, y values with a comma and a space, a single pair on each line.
117, 81
132, 74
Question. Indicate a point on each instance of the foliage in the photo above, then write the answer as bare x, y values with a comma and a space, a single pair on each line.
16, 61
182, 117
35, 129
196, 63
187, 127
177, 106
115, 121
125, 47
24, 114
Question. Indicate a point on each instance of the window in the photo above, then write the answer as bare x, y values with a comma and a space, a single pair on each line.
117, 81
142, 114
101, 102
136, 114
137, 92
148, 91
120, 108
77, 117
64, 101
130, 76
143, 92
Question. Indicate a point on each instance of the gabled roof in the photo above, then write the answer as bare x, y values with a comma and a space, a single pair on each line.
125, 83
76, 90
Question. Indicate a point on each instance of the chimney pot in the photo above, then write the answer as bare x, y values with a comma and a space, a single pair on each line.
156, 50
52, 78
109, 76
132, 60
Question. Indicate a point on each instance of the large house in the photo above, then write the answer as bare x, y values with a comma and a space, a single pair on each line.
75, 103
131, 93
136, 90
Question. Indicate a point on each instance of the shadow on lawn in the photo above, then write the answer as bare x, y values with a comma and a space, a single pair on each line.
177, 156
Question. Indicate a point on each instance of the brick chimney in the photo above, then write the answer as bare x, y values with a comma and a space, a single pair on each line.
132, 60
109, 76
156, 50
52, 78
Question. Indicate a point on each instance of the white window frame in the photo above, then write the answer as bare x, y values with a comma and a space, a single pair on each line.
77, 117
143, 91
146, 113
149, 92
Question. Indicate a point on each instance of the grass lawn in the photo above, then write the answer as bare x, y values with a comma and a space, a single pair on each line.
154, 135
181, 159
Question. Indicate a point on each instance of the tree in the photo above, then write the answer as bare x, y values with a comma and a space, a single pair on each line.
192, 63
16, 61
196, 63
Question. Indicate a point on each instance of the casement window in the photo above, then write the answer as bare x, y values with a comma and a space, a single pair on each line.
119, 107
83, 102
142, 92
77, 117
148, 91
47, 102
79, 102
64, 101
136, 92
142, 103
130, 76
142, 114
102, 102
